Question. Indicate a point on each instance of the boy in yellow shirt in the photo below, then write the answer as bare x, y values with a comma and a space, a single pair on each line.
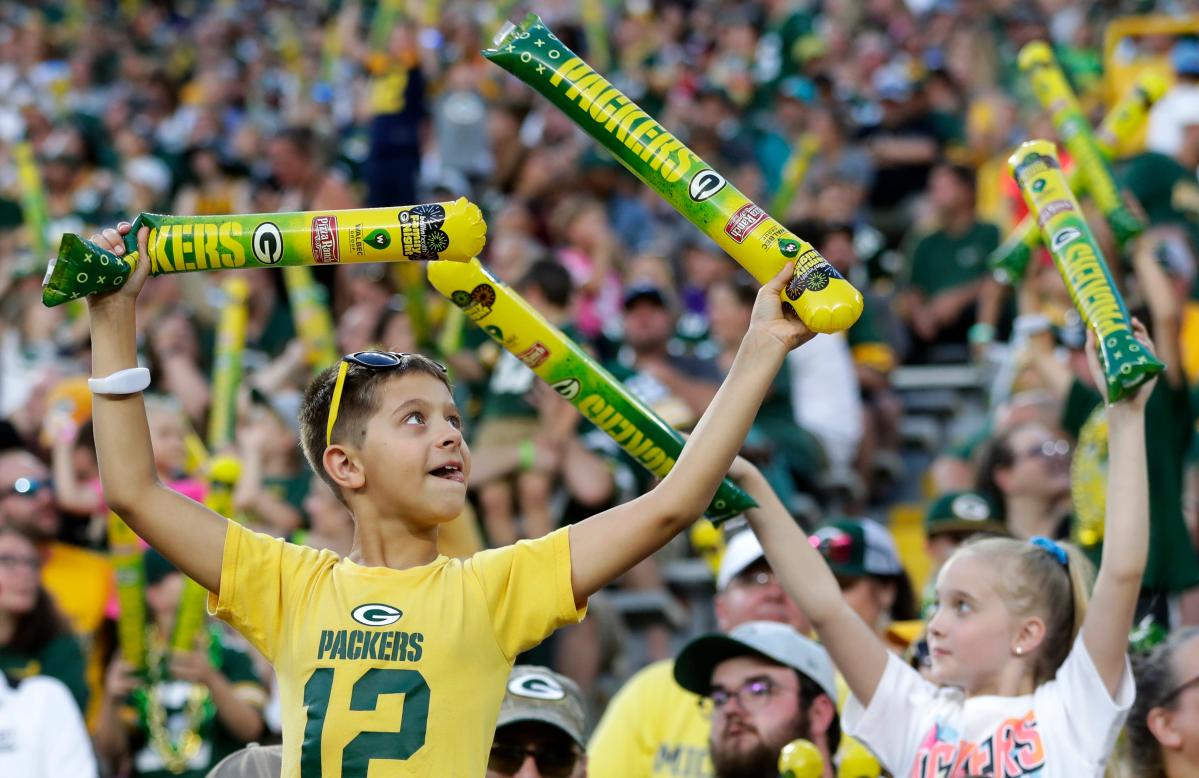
393, 661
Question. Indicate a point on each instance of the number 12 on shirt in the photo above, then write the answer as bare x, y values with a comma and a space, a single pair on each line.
358, 753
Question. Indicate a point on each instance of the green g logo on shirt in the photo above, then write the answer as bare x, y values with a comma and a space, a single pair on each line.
376, 614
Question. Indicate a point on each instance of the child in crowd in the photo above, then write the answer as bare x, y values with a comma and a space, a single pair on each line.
397, 653
1023, 672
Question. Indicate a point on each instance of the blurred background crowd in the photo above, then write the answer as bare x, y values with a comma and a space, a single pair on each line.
956, 405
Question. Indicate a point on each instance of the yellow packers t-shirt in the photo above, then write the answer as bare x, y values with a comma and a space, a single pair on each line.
652, 728
392, 672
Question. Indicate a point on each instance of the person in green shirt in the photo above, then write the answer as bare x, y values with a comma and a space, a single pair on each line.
1162, 178
34, 637
510, 420
949, 288
190, 709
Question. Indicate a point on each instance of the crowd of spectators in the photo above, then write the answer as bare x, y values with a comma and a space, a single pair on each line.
277, 105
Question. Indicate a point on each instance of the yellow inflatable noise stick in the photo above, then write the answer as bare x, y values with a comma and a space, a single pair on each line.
821, 297
572, 373
453, 231
1126, 364
1055, 95
801, 759
1122, 122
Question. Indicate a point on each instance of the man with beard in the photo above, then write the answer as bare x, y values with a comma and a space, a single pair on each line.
656, 729
80, 581
765, 685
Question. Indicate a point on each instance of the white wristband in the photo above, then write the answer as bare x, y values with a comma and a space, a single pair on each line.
1029, 324
129, 381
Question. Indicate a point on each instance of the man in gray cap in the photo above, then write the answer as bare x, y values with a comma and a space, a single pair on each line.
765, 685
654, 728
541, 729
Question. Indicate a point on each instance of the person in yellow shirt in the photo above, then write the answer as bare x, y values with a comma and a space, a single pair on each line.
80, 581
657, 729
393, 660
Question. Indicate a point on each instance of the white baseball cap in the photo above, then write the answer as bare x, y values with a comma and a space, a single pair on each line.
743, 550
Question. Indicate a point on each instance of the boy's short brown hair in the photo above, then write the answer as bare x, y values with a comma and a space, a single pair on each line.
359, 401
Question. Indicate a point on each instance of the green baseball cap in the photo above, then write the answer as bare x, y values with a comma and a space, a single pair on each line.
963, 512
855, 548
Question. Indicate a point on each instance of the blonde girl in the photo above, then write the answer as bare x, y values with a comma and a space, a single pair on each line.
1027, 679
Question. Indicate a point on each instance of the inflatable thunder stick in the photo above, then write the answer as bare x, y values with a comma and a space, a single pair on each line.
572, 373
223, 469
450, 231
127, 554
1054, 93
1122, 122
310, 314
824, 300
226, 374
1126, 364
800, 759
33, 200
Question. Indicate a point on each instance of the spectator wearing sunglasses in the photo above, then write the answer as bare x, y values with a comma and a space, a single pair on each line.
382, 429
80, 582
541, 729
34, 637
1026, 472
1163, 725
764, 685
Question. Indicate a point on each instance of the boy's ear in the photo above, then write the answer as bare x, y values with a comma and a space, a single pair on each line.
342, 465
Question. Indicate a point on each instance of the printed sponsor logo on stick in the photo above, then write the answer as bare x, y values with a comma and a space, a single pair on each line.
534, 356
324, 240
1053, 208
744, 221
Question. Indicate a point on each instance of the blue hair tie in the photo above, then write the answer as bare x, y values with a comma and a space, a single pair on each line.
1059, 553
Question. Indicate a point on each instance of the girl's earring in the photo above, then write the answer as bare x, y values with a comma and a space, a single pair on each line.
1019, 650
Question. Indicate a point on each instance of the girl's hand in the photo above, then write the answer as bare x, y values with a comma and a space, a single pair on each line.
112, 240
743, 470
771, 317
1135, 401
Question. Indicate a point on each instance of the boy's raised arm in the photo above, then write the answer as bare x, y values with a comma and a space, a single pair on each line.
610, 543
191, 536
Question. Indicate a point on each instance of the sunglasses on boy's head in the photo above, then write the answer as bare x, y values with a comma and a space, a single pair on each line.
552, 760
374, 360
27, 487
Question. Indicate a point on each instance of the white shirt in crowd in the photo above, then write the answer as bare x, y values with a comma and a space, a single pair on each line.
1067, 728
825, 397
41, 731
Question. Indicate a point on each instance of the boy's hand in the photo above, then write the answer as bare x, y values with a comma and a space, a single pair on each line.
775, 320
112, 240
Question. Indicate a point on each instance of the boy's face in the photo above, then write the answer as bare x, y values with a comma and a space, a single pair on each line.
415, 459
